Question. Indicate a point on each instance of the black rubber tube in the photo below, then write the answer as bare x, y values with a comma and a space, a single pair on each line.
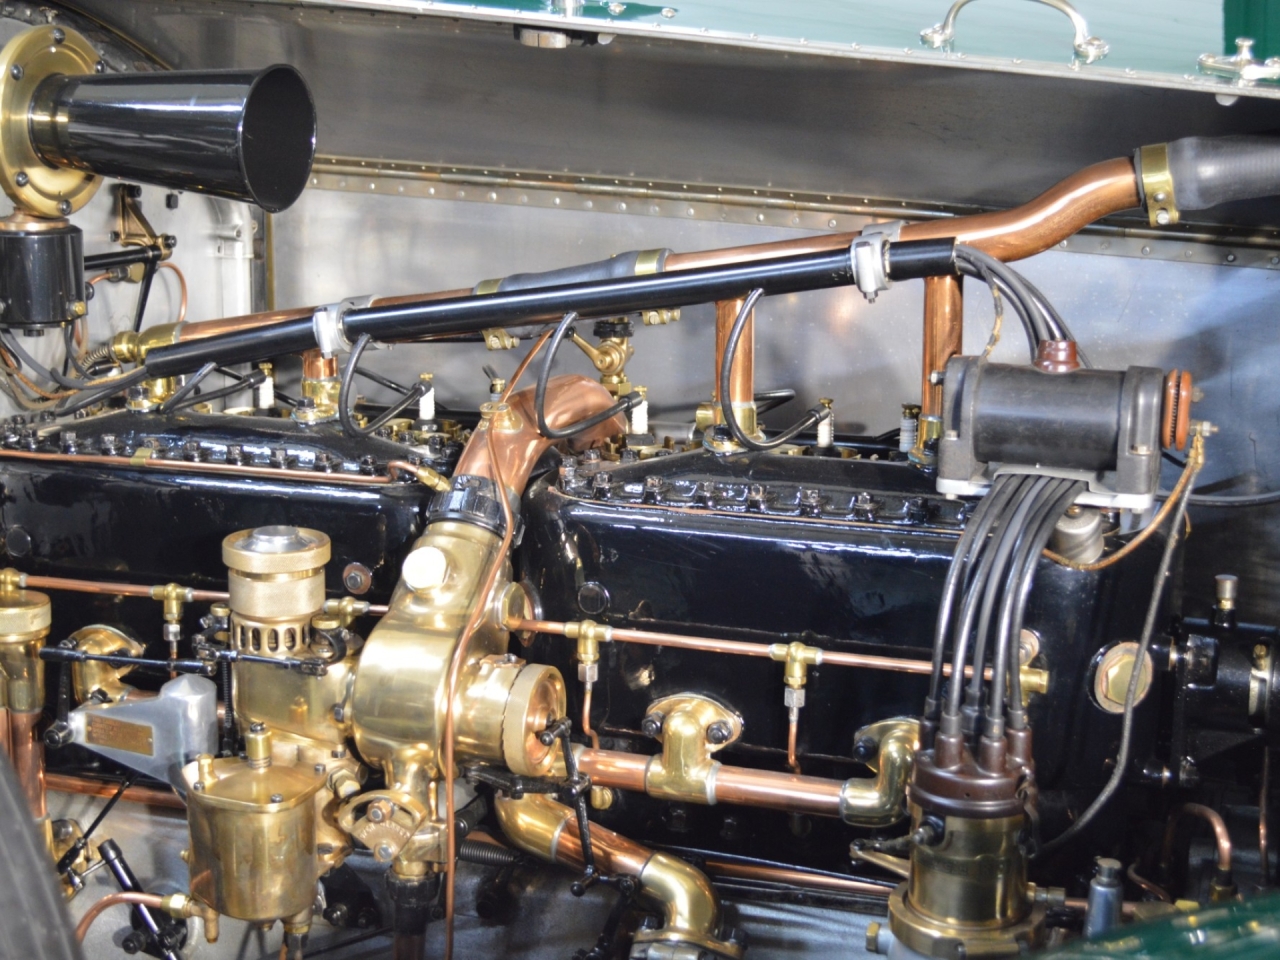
1208, 171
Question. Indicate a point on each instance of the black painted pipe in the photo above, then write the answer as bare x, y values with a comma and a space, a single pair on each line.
545, 305
241, 134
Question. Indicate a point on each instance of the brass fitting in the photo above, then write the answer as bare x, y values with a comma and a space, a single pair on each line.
691, 728
501, 417
130, 347
881, 801
174, 597
94, 677
690, 910
798, 659
589, 635
181, 907
1157, 185
495, 338
347, 609
426, 476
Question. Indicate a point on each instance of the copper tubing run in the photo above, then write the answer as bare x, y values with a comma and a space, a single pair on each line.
152, 900
63, 783
1221, 837
1066, 208
742, 375
109, 588
28, 758
737, 785
198, 466
739, 647
943, 336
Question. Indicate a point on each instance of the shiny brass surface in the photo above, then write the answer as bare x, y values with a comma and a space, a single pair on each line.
968, 894
25, 616
88, 678
253, 836
690, 909
29, 58
685, 769
1111, 677
610, 358
1158, 185
881, 801
943, 336
293, 704
275, 576
130, 347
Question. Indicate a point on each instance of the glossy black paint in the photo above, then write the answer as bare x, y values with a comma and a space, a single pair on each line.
41, 277
847, 555
242, 134
150, 525
470, 314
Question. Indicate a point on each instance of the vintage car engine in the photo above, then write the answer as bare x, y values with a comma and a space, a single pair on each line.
315, 642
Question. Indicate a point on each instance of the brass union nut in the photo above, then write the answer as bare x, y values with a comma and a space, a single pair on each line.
1111, 680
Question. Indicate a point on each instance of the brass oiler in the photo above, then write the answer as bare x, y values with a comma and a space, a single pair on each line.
253, 835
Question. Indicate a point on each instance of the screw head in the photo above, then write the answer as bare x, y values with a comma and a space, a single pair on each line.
59, 35
22, 179
865, 749
719, 732
385, 852
277, 798
16, 71
651, 726
64, 207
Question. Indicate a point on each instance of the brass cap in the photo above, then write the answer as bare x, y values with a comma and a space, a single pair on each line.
24, 611
278, 549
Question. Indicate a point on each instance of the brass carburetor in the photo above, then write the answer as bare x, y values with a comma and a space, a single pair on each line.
263, 828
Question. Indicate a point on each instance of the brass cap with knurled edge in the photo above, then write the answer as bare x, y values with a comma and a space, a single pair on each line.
24, 612
278, 549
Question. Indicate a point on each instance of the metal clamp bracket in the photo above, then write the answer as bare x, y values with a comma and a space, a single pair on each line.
869, 253
1088, 48
326, 322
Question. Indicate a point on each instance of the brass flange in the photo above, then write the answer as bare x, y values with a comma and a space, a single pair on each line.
29, 58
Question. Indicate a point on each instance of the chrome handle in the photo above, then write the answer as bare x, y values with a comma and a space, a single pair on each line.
1088, 48
1240, 66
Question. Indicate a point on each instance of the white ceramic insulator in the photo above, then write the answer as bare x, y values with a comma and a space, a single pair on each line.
907, 434
827, 431
640, 418
267, 394
427, 405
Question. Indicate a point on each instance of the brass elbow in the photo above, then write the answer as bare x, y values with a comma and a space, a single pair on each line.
881, 800
690, 909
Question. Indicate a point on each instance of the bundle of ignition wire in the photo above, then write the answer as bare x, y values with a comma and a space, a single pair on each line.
984, 600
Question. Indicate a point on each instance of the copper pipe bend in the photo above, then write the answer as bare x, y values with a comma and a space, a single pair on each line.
691, 910
1222, 838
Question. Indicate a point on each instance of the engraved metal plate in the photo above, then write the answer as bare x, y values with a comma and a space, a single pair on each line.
119, 734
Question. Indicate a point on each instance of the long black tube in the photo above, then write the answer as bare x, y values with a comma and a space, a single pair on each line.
242, 134
609, 298
125, 257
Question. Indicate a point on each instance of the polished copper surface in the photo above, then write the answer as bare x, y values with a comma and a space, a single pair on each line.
943, 336
742, 376
28, 758
64, 783
316, 366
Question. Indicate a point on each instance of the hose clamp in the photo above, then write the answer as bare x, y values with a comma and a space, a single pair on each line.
326, 322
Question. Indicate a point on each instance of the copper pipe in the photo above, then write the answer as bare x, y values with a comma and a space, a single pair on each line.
188, 466
793, 731
28, 758
1064, 209
742, 377
1221, 837
152, 900
182, 283
943, 336
741, 648
794, 878
64, 783
1154, 889
740, 785
139, 590
6, 734
586, 716
316, 366
1081, 905
251, 321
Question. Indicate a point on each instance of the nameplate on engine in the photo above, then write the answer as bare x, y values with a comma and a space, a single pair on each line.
119, 734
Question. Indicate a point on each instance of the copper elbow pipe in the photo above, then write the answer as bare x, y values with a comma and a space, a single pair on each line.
1221, 837
152, 900
691, 910
519, 444
1062, 210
